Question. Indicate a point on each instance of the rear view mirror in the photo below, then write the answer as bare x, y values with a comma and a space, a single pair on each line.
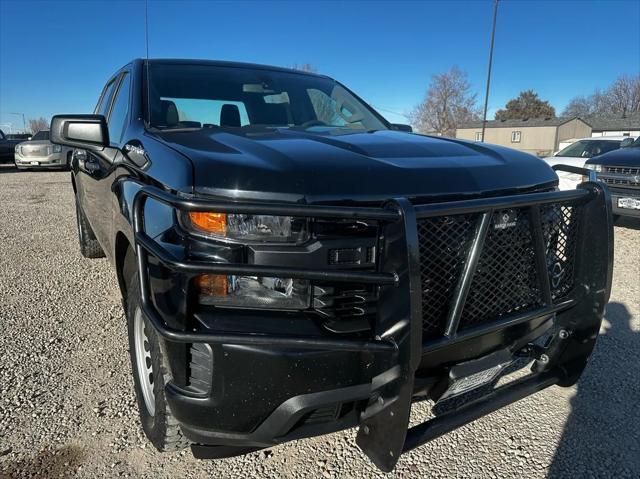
401, 127
80, 131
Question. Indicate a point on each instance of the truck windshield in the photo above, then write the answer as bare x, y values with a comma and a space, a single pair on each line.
211, 96
41, 135
589, 148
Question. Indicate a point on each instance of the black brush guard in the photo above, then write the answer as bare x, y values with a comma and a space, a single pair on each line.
384, 432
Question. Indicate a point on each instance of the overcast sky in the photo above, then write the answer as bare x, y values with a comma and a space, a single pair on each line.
56, 56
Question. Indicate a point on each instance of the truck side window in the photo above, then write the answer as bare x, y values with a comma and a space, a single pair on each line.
117, 119
103, 104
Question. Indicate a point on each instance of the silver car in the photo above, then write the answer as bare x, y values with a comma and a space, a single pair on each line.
39, 152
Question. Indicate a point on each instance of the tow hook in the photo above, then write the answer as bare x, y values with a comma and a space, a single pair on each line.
543, 354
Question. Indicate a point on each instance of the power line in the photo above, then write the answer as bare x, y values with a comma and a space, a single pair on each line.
390, 111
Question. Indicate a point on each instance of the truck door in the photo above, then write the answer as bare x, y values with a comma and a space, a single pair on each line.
96, 172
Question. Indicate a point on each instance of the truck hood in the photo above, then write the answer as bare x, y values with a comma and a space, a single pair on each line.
629, 156
36, 144
293, 165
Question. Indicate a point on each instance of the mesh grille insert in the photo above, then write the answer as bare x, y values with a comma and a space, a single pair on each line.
505, 280
559, 228
444, 242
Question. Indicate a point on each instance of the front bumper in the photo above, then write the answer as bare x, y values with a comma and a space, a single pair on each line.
616, 194
270, 386
54, 160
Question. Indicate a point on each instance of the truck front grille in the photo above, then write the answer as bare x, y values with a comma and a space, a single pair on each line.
444, 243
346, 308
505, 280
620, 176
35, 151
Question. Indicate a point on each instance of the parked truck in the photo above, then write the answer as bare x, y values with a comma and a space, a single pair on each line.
7, 147
292, 264
620, 171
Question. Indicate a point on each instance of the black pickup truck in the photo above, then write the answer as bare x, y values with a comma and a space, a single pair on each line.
7, 147
620, 171
291, 264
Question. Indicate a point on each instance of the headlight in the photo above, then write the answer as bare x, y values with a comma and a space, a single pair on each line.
252, 292
240, 227
593, 167
17, 148
56, 148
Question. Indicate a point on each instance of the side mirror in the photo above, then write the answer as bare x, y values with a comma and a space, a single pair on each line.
89, 132
626, 142
401, 127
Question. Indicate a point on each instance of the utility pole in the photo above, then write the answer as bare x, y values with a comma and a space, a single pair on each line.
486, 94
24, 123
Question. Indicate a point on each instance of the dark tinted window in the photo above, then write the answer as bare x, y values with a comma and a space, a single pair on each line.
589, 148
41, 135
105, 101
119, 111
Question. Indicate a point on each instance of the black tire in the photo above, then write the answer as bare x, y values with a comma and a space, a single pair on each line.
161, 427
89, 246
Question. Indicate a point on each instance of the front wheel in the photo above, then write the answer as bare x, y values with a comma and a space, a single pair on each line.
149, 377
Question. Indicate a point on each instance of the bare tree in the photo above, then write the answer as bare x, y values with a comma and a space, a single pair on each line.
37, 124
305, 67
527, 105
448, 103
624, 95
620, 99
578, 106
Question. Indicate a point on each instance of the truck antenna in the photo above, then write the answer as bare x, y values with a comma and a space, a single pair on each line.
146, 44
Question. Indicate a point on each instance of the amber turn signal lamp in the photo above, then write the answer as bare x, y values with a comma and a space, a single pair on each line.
211, 284
209, 222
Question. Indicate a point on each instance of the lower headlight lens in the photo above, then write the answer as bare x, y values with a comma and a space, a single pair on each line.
253, 292
248, 227
593, 167
56, 148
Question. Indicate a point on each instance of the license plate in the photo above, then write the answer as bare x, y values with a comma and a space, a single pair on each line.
630, 203
467, 383
36, 163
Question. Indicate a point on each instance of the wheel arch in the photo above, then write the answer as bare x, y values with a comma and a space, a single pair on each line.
125, 260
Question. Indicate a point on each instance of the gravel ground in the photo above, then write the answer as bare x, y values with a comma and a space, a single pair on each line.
67, 407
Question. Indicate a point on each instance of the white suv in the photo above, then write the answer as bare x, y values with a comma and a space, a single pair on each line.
577, 153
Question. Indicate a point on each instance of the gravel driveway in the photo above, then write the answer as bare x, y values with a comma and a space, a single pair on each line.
67, 406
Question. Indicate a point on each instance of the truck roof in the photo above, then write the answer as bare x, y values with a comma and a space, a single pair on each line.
224, 63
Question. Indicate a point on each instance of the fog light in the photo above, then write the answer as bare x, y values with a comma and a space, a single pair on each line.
253, 292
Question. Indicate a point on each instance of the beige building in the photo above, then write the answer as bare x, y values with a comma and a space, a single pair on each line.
538, 136
544, 136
